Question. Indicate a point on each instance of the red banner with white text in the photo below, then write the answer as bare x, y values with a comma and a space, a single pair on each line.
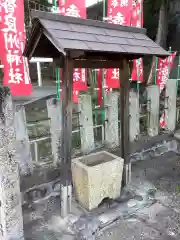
118, 12
164, 69
137, 21
13, 37
75, 8
163, 72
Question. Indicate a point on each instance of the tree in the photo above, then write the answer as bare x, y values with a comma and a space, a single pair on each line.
42, 5
162, 7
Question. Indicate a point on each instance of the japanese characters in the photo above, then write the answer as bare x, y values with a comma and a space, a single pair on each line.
137, 21
73, 8
163, 71
73, 11
119, 12
13, 44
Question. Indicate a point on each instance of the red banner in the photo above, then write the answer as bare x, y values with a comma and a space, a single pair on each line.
137, 21
112, 78
119, 12
164, 69
137, 14
75, 8
13, 37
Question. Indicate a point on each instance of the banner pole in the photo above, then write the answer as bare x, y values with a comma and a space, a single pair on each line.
57, 70
103, 79
139, 60
178, 73
156, 69
95, 83
170, 50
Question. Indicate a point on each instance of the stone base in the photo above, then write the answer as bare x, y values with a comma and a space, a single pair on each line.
96, 177
177, 134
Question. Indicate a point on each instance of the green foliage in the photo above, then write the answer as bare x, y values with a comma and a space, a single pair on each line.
151, 16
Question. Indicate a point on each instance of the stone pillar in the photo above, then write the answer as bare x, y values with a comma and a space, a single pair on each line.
111, 117
54, 113
11, 220
22, 142
170, 104
153, 110
133, 115
86, 123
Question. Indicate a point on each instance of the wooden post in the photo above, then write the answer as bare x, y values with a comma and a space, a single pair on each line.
124, 113
67, 105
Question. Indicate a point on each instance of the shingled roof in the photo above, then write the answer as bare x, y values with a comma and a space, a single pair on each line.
53, 34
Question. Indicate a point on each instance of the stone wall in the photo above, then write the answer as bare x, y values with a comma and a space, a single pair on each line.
88, 126
43, 122
11, 220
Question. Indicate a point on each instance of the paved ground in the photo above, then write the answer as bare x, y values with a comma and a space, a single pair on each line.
159, 221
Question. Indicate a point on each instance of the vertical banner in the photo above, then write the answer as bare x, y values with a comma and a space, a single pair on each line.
164, 69
75, 8
163, 72
118, 12
137, 21
13, 37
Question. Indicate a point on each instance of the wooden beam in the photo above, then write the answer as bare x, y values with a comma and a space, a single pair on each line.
124, 116
111, 56
35, 43
67, 105
96, 64
58, 62
76, 54
89, 63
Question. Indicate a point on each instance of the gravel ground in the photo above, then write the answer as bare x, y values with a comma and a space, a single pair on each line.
159, 221
162, 219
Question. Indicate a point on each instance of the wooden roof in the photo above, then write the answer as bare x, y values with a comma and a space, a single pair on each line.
53, 34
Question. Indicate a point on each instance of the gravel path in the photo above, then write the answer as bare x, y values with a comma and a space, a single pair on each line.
159, 221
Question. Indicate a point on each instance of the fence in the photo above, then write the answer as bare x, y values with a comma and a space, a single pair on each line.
40, 126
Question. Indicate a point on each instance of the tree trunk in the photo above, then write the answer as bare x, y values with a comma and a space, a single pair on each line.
161, 37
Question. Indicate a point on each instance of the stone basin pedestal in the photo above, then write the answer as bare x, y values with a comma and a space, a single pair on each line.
95, 177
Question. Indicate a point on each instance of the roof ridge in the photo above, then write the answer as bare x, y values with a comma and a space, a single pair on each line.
87, 22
